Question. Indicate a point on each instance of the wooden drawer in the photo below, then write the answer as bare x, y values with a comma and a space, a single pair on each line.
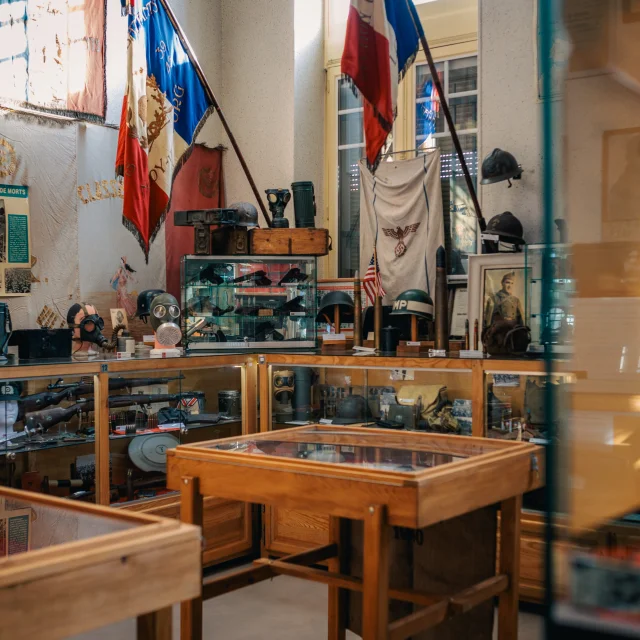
289, 242
287, 531
226, 527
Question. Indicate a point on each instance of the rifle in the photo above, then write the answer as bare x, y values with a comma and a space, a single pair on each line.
41, 421
59, 391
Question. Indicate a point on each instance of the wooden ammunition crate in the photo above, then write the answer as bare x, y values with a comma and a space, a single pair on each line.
289, 242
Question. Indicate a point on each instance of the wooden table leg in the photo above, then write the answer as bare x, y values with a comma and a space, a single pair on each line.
191, 512
338, 533
156, 625
375, 576
509, 564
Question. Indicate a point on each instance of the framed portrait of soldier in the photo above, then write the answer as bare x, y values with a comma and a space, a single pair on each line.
497, 285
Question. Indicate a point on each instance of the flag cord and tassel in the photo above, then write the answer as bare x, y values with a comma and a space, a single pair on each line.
216, 105
452, 127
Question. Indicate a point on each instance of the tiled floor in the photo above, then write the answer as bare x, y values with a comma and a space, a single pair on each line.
284, 608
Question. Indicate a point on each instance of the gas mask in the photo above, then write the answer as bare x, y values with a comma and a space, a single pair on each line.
283, 385
165, 320
91, 325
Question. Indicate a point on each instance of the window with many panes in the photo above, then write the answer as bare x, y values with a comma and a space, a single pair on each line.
459, 78
350, 150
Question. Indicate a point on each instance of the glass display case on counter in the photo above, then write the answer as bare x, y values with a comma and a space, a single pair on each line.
47, 436
99, 431
245, 302
375, 391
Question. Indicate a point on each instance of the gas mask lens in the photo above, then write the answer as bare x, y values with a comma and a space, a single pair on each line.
160, 311
174, 311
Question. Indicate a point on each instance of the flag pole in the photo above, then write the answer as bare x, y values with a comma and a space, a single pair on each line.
452, 127
216, 106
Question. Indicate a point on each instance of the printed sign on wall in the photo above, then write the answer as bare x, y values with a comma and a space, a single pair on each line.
15, 241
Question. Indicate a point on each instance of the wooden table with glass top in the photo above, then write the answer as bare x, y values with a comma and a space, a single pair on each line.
68, 567
379, 477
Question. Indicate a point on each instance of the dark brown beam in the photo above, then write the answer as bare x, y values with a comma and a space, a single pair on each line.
479, 593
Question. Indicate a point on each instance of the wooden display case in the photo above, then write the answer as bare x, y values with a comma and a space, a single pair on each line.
384, 479
287, 531
112, 463
68, 568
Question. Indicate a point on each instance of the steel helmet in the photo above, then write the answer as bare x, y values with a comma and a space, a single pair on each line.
413, 302
352, 409
500, 165
144, 302
331, 299
247, 214
507, 227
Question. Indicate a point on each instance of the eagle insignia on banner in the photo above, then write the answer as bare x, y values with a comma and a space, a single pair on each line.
400, 234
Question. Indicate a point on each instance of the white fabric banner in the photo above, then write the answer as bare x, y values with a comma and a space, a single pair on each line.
401, 215
41, 154
103, 240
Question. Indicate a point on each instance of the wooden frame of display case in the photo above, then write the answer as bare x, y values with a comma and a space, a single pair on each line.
217, 512
81, 585
501, 472
288, 531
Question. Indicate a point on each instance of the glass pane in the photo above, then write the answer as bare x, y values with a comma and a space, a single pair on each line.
464, 112
429, 118
463, 75
313, 448
155, 412
349, 210
351, 128
424, 84
29, 526
457, 207
346, 97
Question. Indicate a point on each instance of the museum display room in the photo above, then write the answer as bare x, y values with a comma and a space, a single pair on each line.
274, 306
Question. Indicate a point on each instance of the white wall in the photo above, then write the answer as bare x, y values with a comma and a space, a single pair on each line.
309, 97
257, 70
510, 109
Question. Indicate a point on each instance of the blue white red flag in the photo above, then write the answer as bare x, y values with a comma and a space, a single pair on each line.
165, 106
382, 41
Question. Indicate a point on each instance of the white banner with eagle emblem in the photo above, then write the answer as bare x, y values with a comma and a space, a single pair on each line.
401, 215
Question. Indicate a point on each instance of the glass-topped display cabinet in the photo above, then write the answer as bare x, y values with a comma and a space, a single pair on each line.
238, 302
99, 432
558, 333
426, 399
47, 435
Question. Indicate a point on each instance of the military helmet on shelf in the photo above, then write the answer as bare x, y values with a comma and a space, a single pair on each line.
500, 165
247, 214
144, 303
413, 302
329, 300
352, 409
507, 227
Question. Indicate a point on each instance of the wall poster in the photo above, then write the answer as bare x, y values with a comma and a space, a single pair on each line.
15, 241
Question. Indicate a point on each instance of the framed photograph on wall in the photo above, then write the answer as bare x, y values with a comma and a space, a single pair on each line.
497, 284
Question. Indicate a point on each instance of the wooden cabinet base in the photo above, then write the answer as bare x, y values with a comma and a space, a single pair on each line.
287, 531
227, 526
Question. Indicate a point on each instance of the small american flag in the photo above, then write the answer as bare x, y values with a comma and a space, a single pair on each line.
372, 281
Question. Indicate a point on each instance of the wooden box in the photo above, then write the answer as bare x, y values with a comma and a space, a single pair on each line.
289, 242
229, 241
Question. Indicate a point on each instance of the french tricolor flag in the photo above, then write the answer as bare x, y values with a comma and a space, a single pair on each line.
382, 41
164, 107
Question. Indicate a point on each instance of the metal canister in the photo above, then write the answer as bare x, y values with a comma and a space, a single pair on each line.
304, 203
229, 403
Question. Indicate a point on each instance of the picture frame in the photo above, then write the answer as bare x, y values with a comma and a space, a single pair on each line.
490, 269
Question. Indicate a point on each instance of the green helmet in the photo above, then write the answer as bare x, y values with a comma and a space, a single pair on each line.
413, 302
